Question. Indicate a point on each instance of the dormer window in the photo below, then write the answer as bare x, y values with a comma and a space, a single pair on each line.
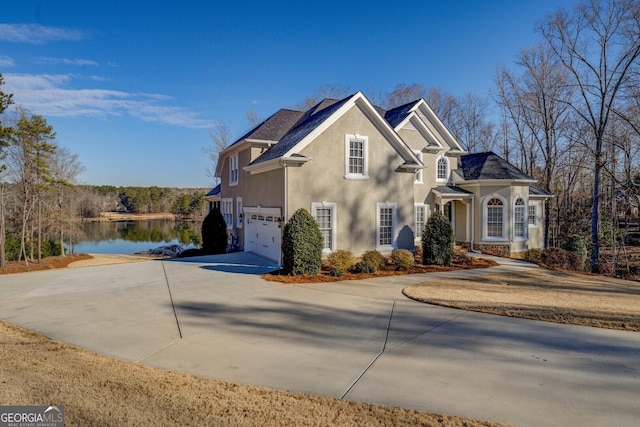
442, 169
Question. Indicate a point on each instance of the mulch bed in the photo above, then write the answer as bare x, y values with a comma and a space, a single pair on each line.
46, 264
459, 263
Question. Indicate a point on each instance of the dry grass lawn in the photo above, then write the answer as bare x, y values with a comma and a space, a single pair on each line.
100, 391
541, 294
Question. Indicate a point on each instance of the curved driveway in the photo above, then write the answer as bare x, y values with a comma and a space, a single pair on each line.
357, 340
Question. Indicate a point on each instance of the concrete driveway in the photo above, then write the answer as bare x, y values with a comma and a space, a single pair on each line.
359, 340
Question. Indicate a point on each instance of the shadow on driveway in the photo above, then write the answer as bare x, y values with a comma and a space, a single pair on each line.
235, 262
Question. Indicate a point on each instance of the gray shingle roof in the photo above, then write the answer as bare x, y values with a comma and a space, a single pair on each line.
273, 128
311, 120
215, 191
451, 190
396, 115
489, 166
534, 190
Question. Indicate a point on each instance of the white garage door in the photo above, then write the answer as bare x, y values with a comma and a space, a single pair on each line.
262, 234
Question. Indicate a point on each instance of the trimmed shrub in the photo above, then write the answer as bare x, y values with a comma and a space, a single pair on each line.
437, 240
402, 259
214, 233
374, 259
461, 257
341, 259
336, 271
533, 255
575, 244
561, 258
364, 267
301, 244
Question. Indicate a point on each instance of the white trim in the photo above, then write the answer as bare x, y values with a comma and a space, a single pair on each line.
226, 208
505, 218
394, 225
446, 160
419, 176
334, 222
536, 205
418, 236
348, 138
524, 218
239, 212
233, 165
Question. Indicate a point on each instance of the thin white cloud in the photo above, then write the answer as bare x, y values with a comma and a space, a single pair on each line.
48, 95
6, 61
66, 61
37, 34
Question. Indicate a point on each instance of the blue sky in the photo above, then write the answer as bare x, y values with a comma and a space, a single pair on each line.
133, 87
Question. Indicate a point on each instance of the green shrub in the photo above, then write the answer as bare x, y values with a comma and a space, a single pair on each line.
561, 258
341, 259
336, 271
364, 267
402, 259
374, 259
301, 244
214, 233
50, 248
575, 244
437, 240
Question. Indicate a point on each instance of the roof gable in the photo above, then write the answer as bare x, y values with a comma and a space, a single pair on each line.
318, 118
489, 166
310, 121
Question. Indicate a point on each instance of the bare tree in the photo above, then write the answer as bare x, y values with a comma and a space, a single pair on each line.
598, 42
5, 139
470, 124
323, 92
221, 137
65, 169
402, 94
536, 104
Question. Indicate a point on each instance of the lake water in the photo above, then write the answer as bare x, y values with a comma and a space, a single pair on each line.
128, 237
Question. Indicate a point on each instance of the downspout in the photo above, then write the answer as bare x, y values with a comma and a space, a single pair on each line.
473, 227
286, 206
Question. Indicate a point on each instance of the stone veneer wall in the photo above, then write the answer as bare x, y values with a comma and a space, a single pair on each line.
497, 250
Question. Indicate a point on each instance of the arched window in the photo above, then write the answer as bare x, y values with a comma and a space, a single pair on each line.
442, 171
519, 219
495, 218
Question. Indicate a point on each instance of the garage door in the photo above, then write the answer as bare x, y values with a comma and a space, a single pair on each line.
262, 234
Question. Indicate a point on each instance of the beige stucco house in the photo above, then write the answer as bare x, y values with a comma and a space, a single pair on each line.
371, 178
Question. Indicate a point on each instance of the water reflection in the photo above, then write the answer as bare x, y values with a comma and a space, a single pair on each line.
115, 237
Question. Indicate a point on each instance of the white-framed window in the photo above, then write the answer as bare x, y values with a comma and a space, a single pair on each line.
519, 219
386, 223
442, 169
494, 214
356, 157
421, 215
325, 215
419, 175
227, 212
532, 214
233, 169
239, 214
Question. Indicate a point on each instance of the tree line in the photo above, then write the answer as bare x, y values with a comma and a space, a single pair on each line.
41, 203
